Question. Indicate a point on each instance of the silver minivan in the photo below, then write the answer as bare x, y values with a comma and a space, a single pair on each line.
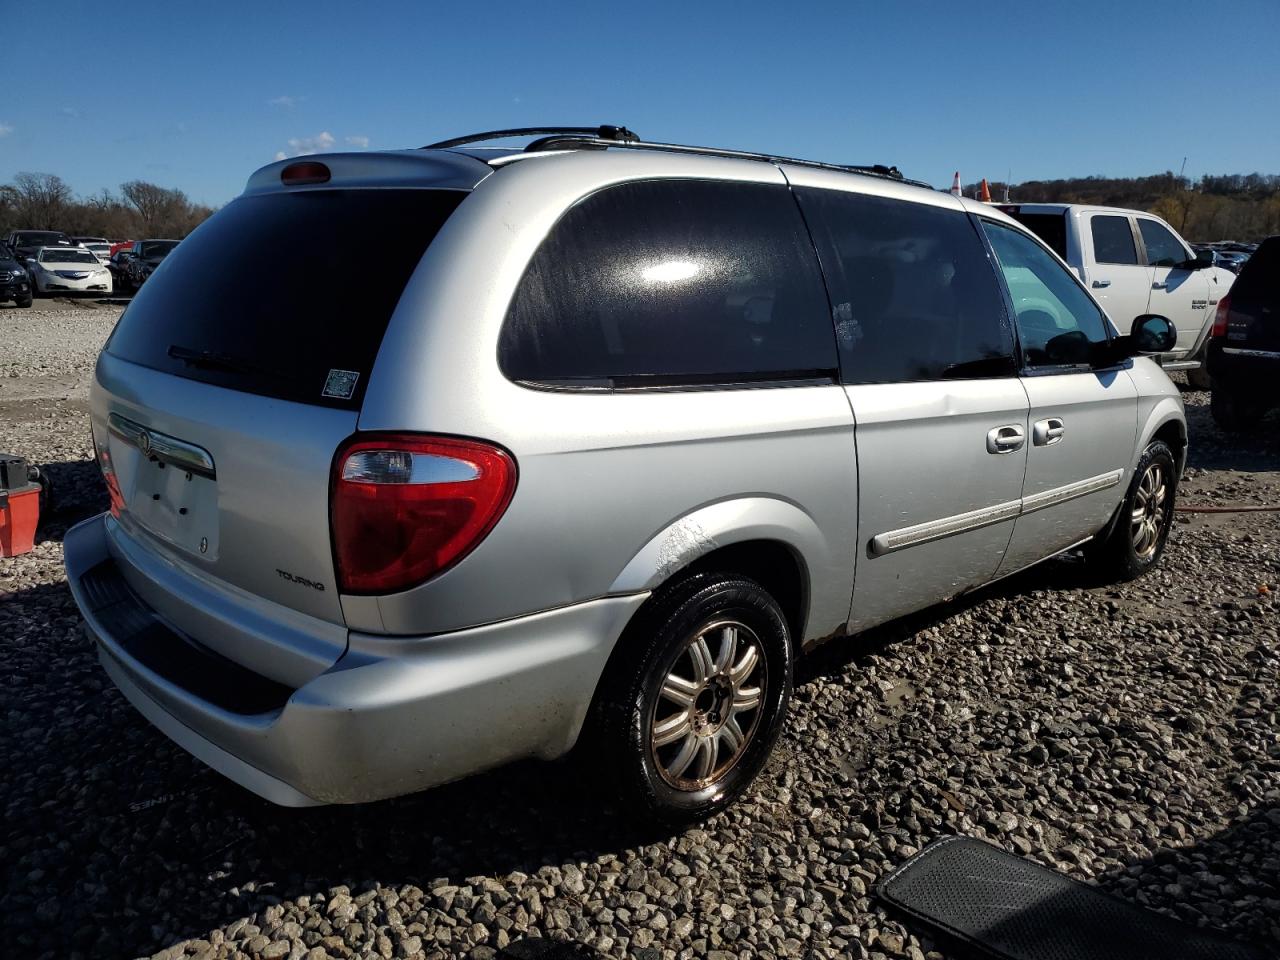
423, 461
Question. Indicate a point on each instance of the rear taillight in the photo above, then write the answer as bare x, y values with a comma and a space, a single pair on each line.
1220, 318
114, 496
405, 508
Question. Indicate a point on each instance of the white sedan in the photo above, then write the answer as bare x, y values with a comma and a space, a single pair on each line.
68, 270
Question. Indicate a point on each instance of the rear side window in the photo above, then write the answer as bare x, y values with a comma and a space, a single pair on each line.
1058, 322
914, 295
1163, 248
286, 294
671, 282
1113, 240
1049, 227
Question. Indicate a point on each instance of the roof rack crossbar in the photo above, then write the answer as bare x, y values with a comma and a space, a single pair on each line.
571, 139
605, 132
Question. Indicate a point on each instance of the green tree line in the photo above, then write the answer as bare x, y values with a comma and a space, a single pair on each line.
1238, 206
44, 201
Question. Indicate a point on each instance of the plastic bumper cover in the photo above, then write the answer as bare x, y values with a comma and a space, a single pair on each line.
393, 715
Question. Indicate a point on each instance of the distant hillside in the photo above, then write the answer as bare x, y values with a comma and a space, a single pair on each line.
1234, 207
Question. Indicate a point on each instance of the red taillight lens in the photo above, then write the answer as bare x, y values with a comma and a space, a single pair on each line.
1220, 318
308, 171
405, 508
114, 496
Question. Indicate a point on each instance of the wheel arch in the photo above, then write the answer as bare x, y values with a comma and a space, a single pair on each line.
770, 540
1167, 422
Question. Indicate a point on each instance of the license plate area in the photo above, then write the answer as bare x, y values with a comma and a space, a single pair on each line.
177, 506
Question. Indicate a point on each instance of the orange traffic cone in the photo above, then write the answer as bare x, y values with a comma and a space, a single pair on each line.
955, 185
985, 194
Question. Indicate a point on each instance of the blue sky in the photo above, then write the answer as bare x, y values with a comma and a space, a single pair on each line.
196, 96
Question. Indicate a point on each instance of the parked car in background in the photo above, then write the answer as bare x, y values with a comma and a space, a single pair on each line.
1135, 263
15, 282
144, 257
26, 243
1244, 351
68, 270
118, 264
1231, 260
118, 245
99, 246
545, 481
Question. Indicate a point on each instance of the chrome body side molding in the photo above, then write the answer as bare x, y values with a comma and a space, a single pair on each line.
919, 533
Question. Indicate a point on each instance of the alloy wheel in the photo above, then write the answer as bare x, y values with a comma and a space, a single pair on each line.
709, 706
1148, 517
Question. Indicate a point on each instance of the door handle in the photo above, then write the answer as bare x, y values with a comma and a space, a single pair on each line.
1101, 283
1005, 439
1159, 285
1046, 432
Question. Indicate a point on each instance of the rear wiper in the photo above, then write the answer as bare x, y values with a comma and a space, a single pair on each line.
211, 360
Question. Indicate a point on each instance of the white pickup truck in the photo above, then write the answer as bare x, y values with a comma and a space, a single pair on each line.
1135, 263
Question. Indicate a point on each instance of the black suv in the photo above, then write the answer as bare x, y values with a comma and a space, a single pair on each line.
27, 243
15, 284
1244, 348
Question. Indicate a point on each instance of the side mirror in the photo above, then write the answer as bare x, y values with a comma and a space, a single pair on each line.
1152, 334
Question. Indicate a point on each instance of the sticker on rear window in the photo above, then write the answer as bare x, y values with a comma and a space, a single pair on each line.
340, 384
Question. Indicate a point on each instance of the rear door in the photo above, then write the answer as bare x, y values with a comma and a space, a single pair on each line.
238, 370
1117, 275
927, 357
1083, 421
1181, 295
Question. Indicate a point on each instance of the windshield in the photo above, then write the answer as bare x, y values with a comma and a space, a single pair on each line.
158, 248
34, 238
67, 256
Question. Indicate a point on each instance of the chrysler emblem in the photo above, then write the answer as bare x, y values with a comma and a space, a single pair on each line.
144, 443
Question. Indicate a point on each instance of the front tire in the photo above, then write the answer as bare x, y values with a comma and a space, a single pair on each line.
1138, 538
695, 698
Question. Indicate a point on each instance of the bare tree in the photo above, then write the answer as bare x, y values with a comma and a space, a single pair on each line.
160, 209
40, 200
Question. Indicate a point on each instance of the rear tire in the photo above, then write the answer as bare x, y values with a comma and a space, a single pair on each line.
1137, 541
1234, 412
694, 698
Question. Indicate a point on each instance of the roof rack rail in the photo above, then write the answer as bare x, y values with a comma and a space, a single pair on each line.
561, 140
605, 132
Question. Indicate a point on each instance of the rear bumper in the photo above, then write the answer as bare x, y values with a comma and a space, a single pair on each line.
393, 715
1241, 369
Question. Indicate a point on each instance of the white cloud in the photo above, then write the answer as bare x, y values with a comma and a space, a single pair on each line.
360, 142
71, 112
281, 155
301, 146
285, 101
5, 129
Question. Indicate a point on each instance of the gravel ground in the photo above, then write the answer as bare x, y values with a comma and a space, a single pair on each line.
1126, 736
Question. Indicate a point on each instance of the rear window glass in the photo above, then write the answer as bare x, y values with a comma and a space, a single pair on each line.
1049, 227
1260, 276
1113, 240
279, 295
671, 282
